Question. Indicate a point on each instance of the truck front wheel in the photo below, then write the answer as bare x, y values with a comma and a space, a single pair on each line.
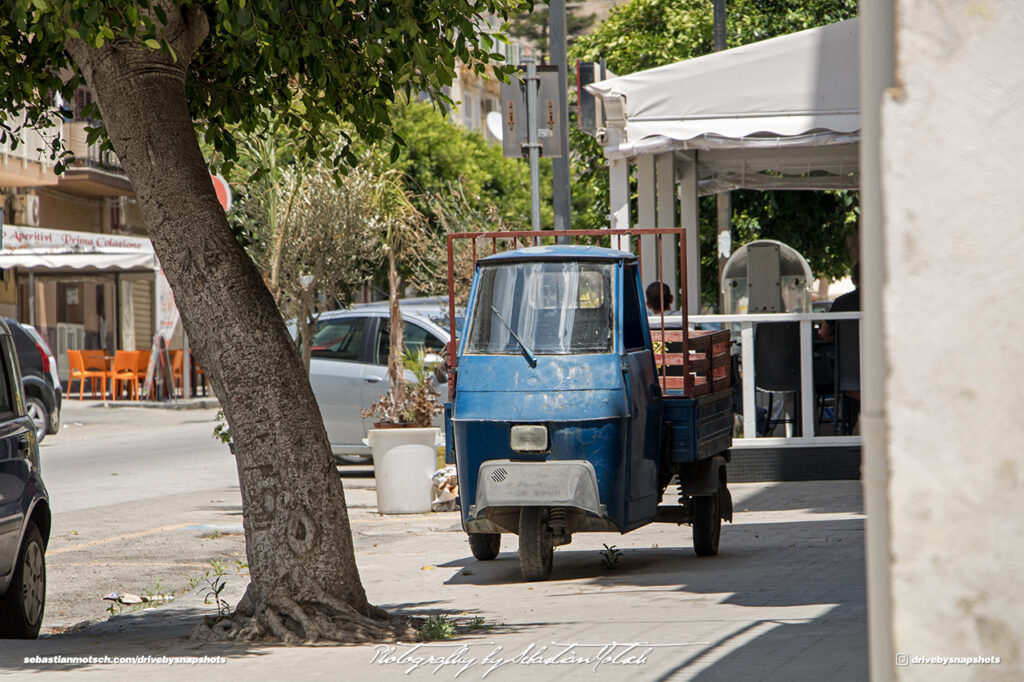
485, 546
536, 544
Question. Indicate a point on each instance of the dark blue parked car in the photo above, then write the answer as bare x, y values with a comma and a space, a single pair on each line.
24, 506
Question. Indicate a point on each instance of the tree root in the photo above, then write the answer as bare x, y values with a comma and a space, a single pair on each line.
320, 618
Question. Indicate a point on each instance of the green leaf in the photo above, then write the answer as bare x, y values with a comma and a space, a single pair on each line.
152, 43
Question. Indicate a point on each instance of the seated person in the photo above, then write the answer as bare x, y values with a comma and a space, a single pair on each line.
846, 303
654, 301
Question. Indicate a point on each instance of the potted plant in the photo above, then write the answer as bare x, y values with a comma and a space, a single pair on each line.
415, 405
403, 458
403, 442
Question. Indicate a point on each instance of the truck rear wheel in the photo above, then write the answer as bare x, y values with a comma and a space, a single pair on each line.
707, 523
485, 546
536, 544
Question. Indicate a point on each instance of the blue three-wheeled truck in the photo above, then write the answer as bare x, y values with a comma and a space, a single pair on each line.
569, 412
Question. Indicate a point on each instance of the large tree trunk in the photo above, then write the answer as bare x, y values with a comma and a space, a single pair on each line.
304, 581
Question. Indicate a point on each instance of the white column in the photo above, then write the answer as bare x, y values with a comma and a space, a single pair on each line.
689, 219
749, 406
646, 204
618, 200
665, 173
806, 405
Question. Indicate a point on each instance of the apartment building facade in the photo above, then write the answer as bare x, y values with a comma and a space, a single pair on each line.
74, 259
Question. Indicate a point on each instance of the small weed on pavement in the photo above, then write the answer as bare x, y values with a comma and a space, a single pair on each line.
610, 557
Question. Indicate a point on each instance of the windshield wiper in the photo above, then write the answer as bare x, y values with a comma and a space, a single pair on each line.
527, 353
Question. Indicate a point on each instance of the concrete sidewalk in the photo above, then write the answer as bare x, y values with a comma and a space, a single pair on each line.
784, 600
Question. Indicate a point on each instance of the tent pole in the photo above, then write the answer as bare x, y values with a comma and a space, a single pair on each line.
665, 177
118, 341
645, 217
618, 200
689, 218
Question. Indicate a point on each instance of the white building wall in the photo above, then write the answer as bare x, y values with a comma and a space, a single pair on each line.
952, 145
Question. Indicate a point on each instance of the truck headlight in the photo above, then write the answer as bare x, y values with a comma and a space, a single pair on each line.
529, 438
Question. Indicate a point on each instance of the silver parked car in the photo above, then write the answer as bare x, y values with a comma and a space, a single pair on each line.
348, 368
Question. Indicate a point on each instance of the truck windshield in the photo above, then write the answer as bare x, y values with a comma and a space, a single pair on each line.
553, 307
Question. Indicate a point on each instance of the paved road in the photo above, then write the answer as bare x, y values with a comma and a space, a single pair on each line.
109, 455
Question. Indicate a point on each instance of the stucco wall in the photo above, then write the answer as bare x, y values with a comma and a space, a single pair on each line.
954, 237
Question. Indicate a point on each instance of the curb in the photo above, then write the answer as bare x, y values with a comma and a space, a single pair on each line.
174, 404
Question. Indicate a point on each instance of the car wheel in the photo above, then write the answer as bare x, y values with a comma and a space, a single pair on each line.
21, 608
36, 410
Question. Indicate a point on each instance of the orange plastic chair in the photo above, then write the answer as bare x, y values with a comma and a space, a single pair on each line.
95, 362
125, 369
79, 371
177, 369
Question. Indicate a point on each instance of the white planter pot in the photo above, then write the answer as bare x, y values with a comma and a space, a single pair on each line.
403, 462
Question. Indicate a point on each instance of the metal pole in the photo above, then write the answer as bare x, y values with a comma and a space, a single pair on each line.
719, 25
186, 366
31, 298
561, 189
118, 341
532, 145
723, 199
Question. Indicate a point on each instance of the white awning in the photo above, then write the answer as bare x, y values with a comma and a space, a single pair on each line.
790, 85
783, 112
33, 248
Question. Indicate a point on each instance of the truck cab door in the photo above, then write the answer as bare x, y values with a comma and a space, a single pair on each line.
644, 396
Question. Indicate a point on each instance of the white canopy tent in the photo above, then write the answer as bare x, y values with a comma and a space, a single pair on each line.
779, 114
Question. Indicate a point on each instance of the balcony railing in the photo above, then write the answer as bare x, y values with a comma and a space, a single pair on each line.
29, 145
89, 155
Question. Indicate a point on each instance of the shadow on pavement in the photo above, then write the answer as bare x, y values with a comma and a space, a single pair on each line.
165, 632
355, 471
765, 566
155, 633
831, 647
758, 565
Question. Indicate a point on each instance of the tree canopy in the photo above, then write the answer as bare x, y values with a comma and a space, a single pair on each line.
439, 156
310, 65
